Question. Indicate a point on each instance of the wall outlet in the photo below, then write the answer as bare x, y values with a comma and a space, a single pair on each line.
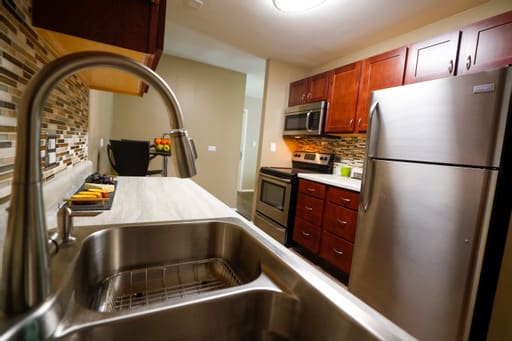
273, 147
212, 148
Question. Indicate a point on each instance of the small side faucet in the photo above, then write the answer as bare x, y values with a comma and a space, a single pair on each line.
25, 281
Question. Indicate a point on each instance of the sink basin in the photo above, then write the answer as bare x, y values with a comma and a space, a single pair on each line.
130, 267
193, 280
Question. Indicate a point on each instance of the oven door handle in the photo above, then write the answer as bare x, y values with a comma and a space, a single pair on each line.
273, 179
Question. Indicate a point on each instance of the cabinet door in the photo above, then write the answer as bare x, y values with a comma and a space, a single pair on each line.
310, 209
318, 86
432, 59
340, 221
343, 197
379, 72
307, 235
343, 92
486, 44
336, 251
312, 188
298, 92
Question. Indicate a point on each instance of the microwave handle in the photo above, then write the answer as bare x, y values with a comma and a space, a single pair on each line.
307, 121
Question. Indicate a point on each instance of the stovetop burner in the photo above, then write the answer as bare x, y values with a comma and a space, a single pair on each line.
303, 162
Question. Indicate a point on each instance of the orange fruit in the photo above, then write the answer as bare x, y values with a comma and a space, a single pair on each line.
158, 140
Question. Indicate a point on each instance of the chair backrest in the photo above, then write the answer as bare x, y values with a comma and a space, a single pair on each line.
129, 157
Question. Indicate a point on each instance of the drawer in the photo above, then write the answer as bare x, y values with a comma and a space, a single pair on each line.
343, 197
307, 235
336, 251
312, 188
310, 209
340, 220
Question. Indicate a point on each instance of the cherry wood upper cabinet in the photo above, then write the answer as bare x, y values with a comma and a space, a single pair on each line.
318, 86
432, 59
343, 94
307, 90
385, 70
133, 28
133, 24
486, 44
298, 91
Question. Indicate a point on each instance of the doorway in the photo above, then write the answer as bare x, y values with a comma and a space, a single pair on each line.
249, 143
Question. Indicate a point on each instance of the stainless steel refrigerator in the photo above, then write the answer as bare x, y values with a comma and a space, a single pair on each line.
435, 204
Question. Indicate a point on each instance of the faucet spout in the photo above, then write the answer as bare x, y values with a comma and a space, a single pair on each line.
25, 281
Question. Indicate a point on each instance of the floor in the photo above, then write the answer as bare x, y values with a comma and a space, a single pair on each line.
244, 203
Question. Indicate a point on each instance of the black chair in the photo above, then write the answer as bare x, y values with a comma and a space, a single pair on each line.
130, 157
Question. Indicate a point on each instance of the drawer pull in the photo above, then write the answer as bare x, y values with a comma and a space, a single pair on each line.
345, 199
308, 208
306, 234
337, 251
342, 222
310, 189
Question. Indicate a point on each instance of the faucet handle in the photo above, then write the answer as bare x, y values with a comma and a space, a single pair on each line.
65, 221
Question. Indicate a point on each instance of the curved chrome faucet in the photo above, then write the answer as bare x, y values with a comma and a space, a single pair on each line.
26, 276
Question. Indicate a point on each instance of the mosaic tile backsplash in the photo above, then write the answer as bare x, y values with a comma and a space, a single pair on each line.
350, 149
66, 113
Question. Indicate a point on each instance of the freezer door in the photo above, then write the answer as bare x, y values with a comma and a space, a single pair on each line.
458, 120
417, 245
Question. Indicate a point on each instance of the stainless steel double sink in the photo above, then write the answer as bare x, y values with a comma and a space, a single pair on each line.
195, 280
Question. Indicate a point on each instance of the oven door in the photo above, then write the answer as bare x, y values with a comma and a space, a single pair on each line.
274, 198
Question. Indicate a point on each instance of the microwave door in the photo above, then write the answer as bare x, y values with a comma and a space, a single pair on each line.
303, 123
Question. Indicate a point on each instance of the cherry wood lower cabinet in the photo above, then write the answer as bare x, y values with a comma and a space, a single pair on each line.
325, 223
307, 235
340, 221
336, 251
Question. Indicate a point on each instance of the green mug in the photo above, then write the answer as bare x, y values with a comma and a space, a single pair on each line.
345, 171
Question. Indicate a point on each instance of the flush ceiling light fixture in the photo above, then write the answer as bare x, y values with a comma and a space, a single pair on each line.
296, 5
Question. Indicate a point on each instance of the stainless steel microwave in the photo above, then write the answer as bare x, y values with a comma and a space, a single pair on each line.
305, 119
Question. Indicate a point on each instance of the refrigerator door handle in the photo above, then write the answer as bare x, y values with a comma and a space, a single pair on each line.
368, 162
374, 111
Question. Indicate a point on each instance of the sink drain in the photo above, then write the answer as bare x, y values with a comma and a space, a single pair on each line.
140, 287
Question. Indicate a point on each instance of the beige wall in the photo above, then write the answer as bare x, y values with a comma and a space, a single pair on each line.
253, 106
277, 81
212, 100
100, 124
488, 9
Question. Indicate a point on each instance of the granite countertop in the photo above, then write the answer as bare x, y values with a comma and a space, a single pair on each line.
333, 180
158, 199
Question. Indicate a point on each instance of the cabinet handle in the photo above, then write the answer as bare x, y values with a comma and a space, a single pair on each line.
308, 208
310, 189
337, 251
309, 96
450, 67
345, 200
350, 123
305, 234
342, 222
303, 98
359, 121
468, 62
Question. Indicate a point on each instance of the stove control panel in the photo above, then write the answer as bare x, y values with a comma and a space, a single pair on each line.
315, 158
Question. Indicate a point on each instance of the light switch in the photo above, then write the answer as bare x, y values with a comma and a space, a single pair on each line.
273, 147
212, 148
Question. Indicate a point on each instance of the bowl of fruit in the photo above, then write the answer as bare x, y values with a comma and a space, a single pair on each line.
162, 145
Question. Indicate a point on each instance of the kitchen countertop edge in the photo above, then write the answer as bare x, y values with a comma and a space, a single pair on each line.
333, 180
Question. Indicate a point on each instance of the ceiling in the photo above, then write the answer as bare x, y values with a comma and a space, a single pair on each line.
241, 34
